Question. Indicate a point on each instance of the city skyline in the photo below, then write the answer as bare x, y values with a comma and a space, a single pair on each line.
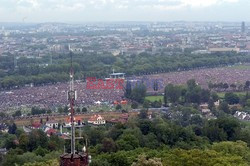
123, 10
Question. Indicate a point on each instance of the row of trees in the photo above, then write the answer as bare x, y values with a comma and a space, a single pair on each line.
225, 86
95, 65
191, 94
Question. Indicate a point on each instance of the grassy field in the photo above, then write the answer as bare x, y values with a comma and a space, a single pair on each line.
154, 98
222, 94
242, 67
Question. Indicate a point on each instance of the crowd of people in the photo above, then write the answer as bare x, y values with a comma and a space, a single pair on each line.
229, 75
49, 96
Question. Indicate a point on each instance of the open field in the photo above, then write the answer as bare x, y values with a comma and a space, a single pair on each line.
154, 98
222, 94
243, 66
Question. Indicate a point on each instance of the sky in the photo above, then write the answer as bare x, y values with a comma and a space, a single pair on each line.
123, 10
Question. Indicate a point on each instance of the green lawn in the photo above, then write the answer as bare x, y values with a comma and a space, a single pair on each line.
222, 94
154, 98
242, 67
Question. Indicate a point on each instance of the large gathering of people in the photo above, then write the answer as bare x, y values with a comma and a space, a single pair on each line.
55, 95
229, 75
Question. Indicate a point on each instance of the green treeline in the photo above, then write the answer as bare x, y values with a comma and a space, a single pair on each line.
41, 71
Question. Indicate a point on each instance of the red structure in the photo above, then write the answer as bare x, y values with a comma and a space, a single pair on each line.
74, 160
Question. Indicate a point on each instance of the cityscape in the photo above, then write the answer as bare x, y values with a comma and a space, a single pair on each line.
37, 40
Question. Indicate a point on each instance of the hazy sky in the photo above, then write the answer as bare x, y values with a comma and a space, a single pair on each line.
123, 10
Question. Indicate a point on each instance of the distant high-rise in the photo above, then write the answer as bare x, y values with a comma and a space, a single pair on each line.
243, 27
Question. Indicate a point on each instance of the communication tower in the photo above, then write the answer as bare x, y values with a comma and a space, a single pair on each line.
74, 158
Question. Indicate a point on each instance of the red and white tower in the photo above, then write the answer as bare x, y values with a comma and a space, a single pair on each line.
74, 158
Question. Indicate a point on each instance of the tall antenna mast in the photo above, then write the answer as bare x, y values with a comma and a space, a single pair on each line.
73, 158
72, 98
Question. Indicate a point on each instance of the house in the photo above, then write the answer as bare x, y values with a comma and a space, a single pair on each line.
52, 124
242, 116
3, 151
217, 103
4, 127
124, 102
78, 121
51, 132
97, 120
122, 119
36, 125
64, 136
204, 106
205, 111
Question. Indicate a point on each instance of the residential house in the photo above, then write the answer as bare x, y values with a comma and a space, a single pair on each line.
97, 120
52, 124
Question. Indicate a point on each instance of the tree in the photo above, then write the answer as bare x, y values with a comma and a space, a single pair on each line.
23, 142
225, 86
191, 84
49, 111
150, 141
211, 104
231, 127
143, 161
145, 126
205, 95
108, 145
172, 93
128, 89
248, 103
60, 110
197, 120
196, 157
118, 107
127, 142
134, 105
194, 95
146, 104
66, 109
118, 159
247, 84
233, 86
143, 114
224, 107
10, 141
215, 96
41, 151
156, 104
17, 114
84, 110
37, 138
2, 115
12, 129
232, 98
138, 94
78, 110
238, 148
